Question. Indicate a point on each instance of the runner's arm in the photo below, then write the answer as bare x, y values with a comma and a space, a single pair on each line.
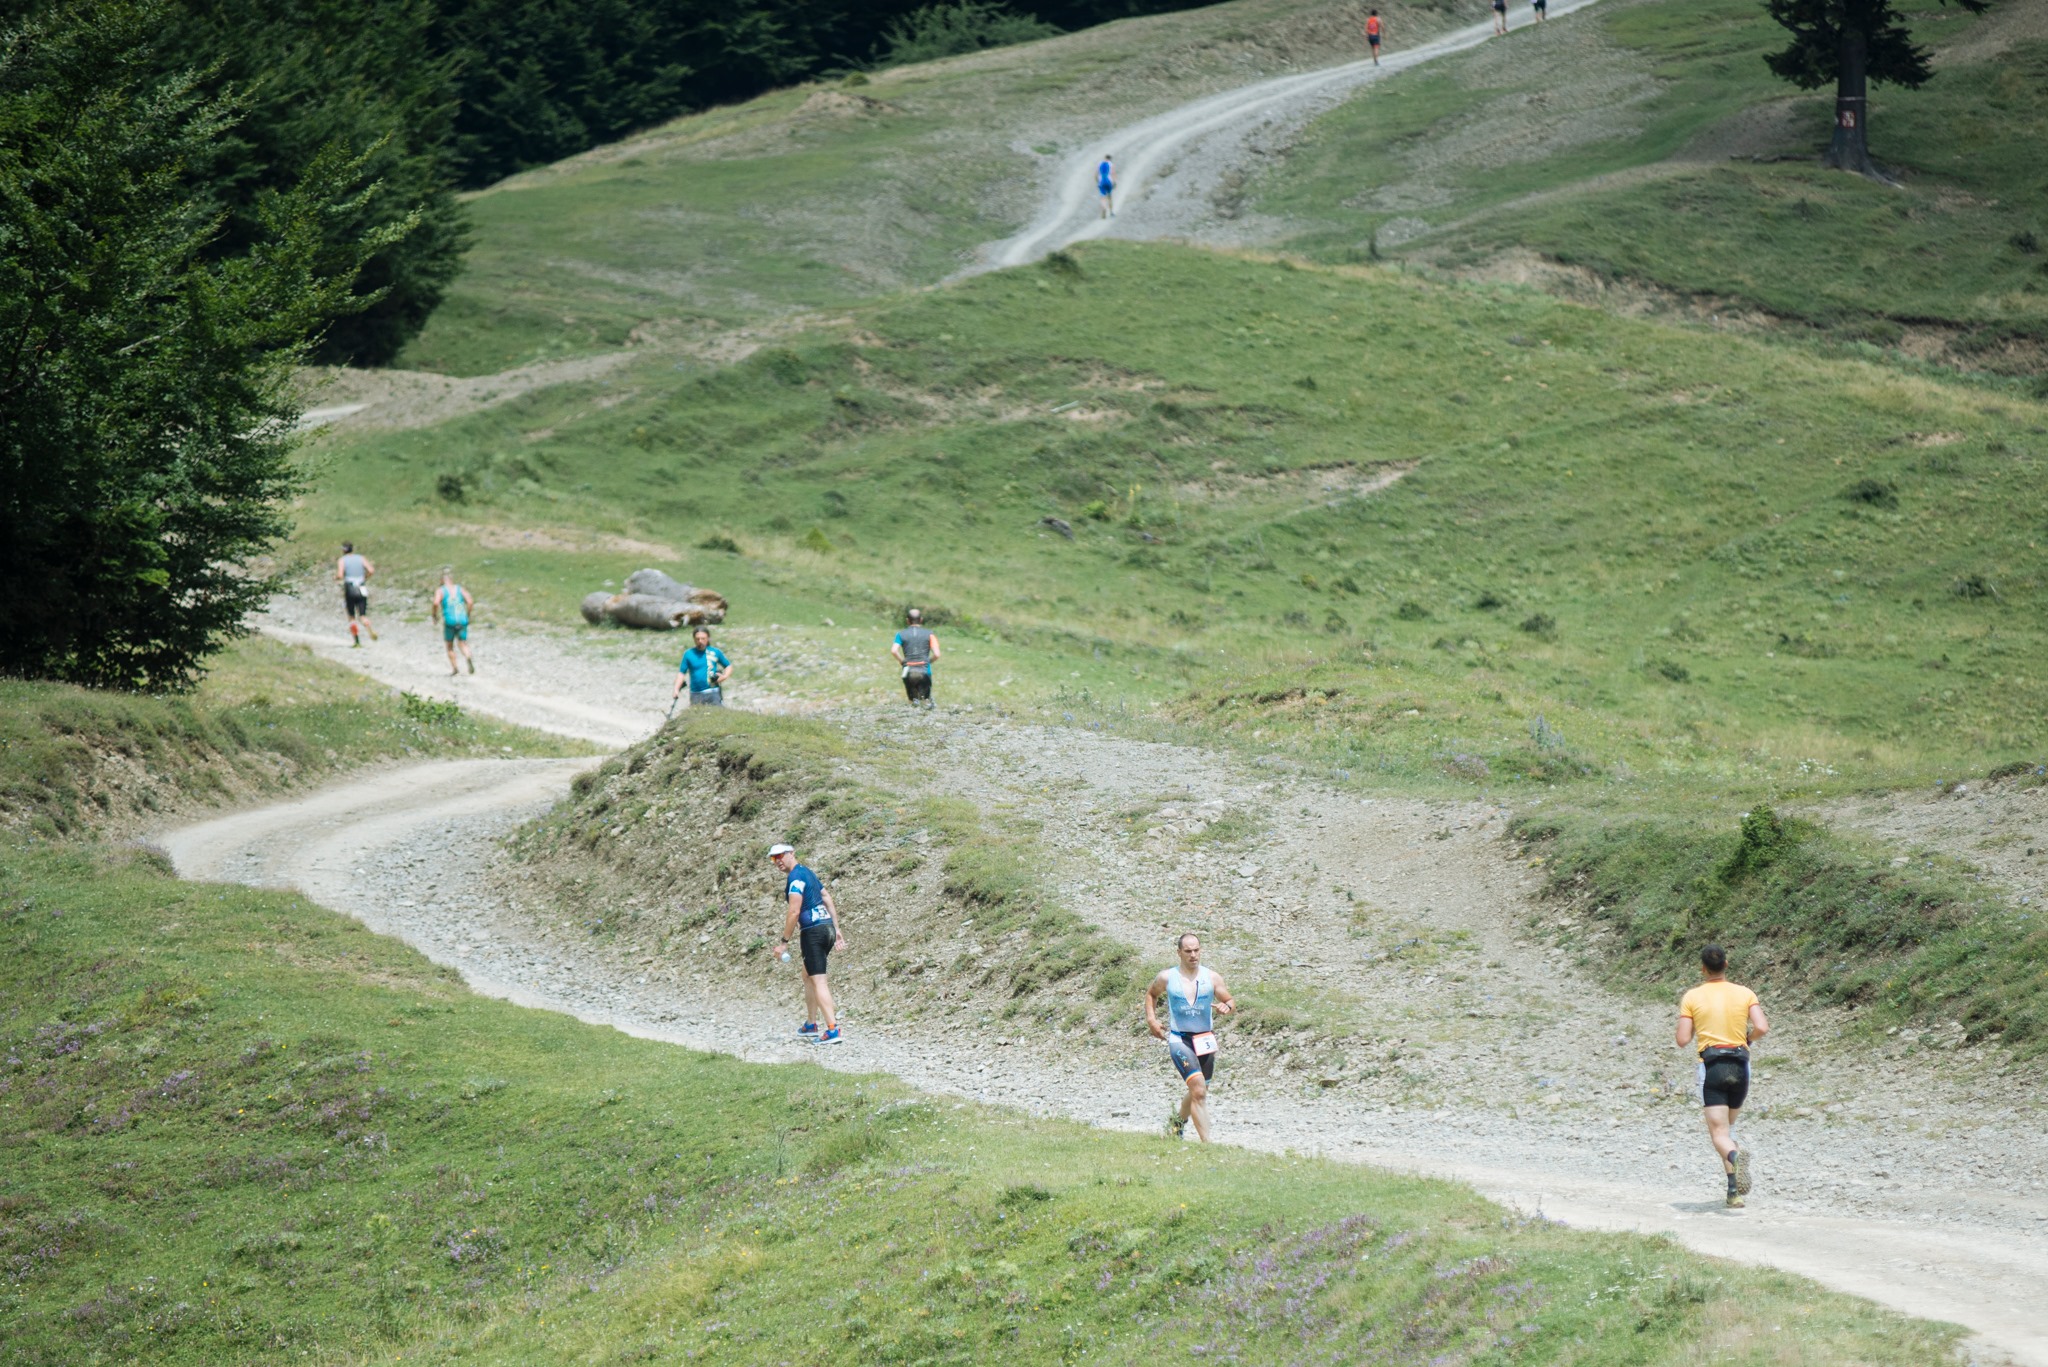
1758, 1026
1225, 1003
896, 650
1151, 1015
935, 647
369, 569
337, 571
725, 669
1684, 1027
796, 904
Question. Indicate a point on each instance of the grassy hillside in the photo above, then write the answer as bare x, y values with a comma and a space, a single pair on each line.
239, 1128
1687, 554
1647, 142
1450, 538
815, 197
267, 715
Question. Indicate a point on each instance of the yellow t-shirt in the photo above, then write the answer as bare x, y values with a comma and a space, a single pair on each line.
1719, 1014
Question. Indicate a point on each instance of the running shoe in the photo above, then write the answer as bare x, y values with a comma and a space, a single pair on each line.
472, 666
354, 643
830, 1036
372, 631
1740, 1158
1735, 1201
1176, 1124
808, 1028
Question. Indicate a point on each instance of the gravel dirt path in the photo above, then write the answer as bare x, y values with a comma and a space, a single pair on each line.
1495, 1059
1170, 167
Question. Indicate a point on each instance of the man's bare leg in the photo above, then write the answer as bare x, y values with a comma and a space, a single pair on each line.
1721, 1131
821, 992
1195, 1105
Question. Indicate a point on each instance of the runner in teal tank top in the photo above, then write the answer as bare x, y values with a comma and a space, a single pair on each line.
1194, 996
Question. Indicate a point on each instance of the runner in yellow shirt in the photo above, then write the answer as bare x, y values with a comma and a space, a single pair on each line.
1722, 1019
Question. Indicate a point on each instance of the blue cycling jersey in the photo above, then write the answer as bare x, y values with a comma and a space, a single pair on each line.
703, 667
805, 884
1105, 178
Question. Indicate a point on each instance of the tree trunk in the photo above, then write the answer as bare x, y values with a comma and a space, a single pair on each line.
1849, 150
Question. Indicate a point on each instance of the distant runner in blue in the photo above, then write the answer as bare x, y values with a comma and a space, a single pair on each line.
814, 917
1105, 185
704, 668
916, 649
1194, 996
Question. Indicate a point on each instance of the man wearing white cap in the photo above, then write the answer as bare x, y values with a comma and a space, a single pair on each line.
814, 917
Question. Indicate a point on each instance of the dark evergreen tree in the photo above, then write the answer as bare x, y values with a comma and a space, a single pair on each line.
145, 373
359, 74
1851, 43
542, 79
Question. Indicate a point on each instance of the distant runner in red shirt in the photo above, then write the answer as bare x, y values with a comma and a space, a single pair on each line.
1372, 35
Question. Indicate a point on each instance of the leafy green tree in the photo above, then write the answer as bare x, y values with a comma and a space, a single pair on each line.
1852, 43
145, 401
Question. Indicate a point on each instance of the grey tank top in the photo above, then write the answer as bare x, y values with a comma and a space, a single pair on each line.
354, 569
917, 645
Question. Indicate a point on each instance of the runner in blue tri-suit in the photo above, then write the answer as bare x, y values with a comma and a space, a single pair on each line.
1105, 186
1194, 995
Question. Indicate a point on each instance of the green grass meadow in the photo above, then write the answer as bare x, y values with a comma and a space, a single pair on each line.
1657, 588
1710, 557
239, 1128
1958, 245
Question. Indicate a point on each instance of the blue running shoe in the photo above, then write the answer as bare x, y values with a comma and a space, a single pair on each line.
829, 1037
809, 1028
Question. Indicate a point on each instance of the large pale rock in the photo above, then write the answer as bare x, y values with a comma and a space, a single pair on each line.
659, 585
645, 611
655, 602
655, 584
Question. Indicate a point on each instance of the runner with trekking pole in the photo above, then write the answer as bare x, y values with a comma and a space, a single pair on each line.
704, 670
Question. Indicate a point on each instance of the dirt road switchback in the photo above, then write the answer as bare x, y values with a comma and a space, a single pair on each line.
1532, 1082
1168, 166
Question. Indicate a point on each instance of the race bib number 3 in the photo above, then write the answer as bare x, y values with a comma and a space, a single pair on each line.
1205, 1043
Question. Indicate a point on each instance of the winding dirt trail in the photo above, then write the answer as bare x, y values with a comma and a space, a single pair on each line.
1168, 163
1596, 1134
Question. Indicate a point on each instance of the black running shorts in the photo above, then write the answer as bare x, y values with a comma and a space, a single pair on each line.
816, 943
1725, 1082
355, 600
